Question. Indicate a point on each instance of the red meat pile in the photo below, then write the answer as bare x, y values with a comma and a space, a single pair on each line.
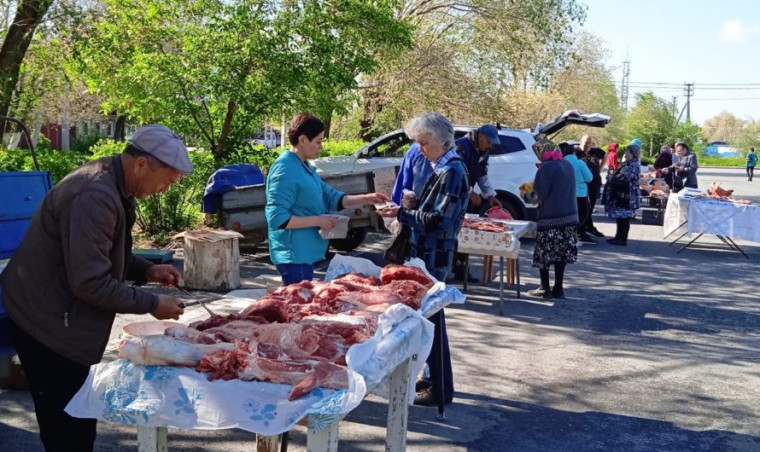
297, 334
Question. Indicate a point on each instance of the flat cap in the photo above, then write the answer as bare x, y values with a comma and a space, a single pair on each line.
163, 144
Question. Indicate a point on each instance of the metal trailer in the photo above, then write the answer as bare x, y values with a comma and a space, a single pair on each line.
21, 193
242, 210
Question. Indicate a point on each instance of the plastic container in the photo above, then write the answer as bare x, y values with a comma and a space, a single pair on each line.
147, 328
340, 231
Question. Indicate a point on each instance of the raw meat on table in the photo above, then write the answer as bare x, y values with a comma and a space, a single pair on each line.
393, 272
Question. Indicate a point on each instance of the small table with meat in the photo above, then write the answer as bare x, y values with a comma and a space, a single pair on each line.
491, 238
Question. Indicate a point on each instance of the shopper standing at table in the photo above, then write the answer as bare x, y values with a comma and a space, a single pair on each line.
612, 157
556, 236
582, 177
622, 195
685, 166
67, 281
298, 202
751, 162
594, 159
435, 223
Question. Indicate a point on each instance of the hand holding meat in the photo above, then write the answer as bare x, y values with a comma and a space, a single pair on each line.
164, 274
475, 199
169, 307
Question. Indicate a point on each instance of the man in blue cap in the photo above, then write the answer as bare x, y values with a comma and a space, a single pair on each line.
67, 281
474, 148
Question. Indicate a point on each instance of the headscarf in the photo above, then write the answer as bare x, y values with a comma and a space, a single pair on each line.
613, 147
637, 142
554, 154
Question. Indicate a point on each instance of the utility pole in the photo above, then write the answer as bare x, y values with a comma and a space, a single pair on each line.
624, 83
688, 90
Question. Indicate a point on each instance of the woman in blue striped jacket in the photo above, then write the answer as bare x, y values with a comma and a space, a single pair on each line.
435, 222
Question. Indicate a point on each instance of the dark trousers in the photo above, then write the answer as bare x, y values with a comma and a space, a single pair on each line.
623, 227
295, 273
593, 196
750, 172
53, 381
583, 214
439, 361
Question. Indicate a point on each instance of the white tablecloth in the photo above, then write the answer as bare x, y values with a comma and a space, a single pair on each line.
477, 242
163, 396
689, 214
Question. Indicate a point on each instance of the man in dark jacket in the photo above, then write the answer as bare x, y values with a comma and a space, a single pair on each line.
594, 158
66, 282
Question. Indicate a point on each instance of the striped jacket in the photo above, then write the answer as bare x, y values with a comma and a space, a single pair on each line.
436, 221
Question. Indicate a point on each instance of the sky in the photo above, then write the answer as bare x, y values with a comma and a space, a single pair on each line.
704, 42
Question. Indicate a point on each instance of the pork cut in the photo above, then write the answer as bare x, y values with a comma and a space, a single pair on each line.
393, 272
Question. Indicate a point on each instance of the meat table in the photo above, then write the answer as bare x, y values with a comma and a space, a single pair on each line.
687, 214
154, 398
504, 245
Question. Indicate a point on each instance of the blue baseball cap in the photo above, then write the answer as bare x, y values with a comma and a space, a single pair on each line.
490, 132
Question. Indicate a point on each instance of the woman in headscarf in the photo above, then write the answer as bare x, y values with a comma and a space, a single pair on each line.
435, 222
556, 238
622, 195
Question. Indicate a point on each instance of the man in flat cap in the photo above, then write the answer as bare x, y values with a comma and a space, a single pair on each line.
67, 281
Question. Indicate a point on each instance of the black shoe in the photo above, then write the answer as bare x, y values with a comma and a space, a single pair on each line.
558, 294
586, 240
426, 398
421, 385
596, 233
459, 277
617, 242
540, 292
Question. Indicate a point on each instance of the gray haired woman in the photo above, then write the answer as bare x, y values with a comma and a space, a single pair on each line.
434, 224
622, 195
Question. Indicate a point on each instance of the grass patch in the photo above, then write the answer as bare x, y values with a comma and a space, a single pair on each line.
733, 162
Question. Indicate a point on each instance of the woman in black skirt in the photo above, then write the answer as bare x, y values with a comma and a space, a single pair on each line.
556, 241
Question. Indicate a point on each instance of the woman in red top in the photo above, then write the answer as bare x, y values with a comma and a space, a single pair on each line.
612, 157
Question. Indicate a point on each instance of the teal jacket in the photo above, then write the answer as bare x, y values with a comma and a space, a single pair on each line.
295, 188
751, 159
582, 176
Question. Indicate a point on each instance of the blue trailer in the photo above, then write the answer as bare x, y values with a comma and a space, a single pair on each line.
20, 194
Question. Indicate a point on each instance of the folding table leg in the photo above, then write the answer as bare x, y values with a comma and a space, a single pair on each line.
687, 245
501, 285
325, 440
152, 439
398, 407
266, 443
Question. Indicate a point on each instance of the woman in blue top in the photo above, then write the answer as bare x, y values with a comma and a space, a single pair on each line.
298, 201
582, 177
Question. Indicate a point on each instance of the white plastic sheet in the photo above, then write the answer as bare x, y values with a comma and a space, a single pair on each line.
162, 396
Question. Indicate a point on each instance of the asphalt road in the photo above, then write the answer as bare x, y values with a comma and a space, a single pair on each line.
651, 351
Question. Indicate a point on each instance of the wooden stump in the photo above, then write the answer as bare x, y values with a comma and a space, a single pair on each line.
212, 264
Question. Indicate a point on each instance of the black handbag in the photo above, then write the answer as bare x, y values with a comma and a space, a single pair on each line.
400, 247
620, 191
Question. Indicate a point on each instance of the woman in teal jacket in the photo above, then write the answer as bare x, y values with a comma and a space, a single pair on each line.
298, 202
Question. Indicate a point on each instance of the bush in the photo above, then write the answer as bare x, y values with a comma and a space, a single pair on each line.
343, 147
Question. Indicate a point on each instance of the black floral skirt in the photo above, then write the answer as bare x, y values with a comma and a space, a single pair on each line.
555, 246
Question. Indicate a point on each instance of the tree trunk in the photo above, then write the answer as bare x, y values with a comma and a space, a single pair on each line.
219, 150
29, 14
120, 128
328, 123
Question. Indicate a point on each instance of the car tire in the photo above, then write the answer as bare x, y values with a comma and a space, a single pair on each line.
353, 239
512, 207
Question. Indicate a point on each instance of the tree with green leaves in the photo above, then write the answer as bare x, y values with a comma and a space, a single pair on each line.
652, 120
16, 41
212, 68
